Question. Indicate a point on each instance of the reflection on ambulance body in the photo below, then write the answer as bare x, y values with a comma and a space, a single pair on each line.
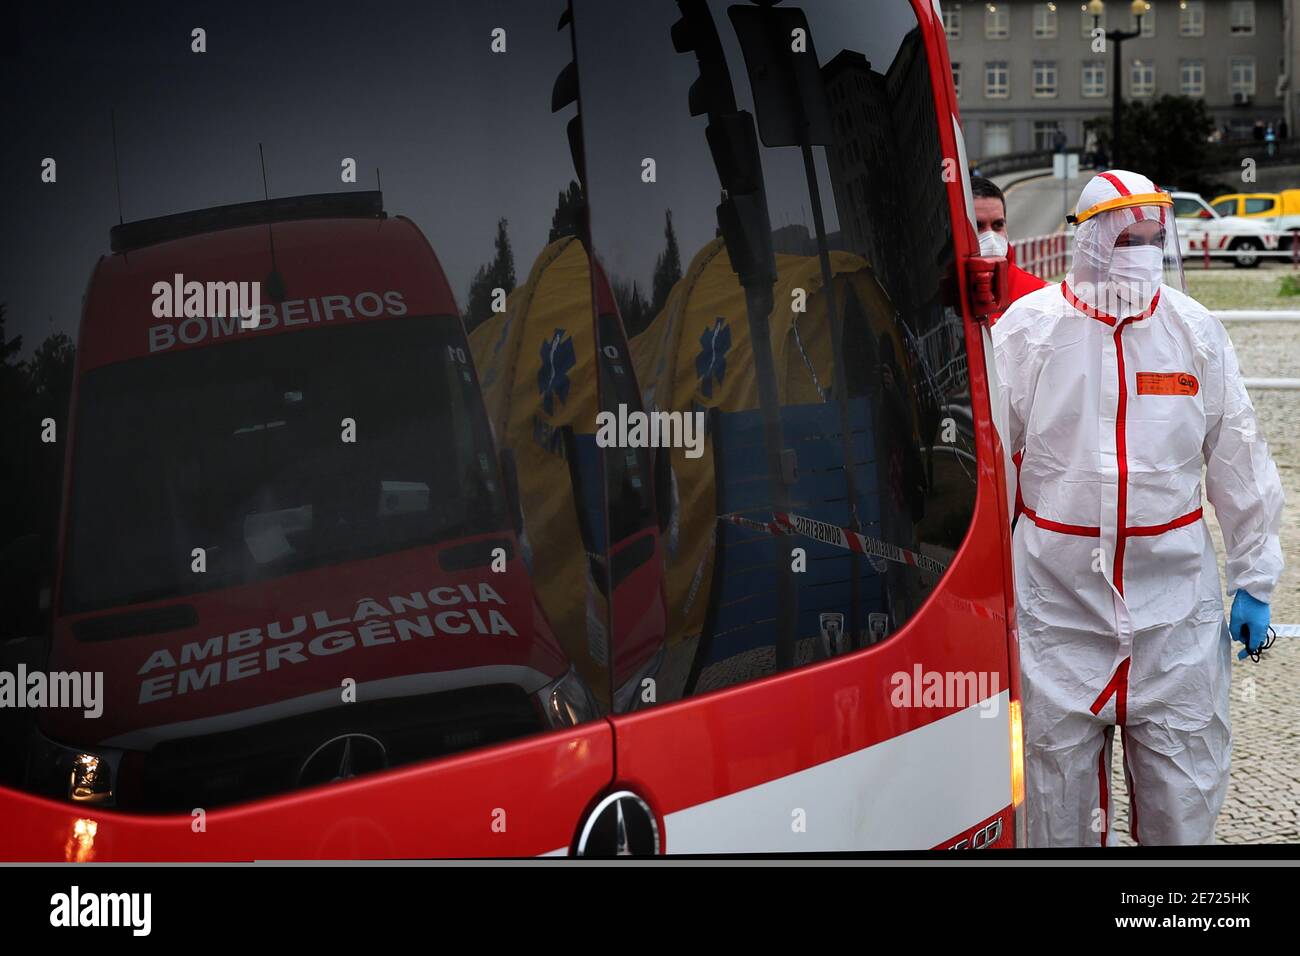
281, 535
540, 363
904, 490
695, 355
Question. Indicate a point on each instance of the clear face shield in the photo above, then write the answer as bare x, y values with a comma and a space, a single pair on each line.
1123, 256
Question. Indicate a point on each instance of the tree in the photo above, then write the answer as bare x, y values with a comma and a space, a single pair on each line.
13, 447
48, 374
668, 267
49, 371
497, 274
10, 372
1166, 139
567, 218
632, 306
31, 471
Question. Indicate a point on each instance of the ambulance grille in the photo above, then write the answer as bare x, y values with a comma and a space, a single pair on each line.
267, 759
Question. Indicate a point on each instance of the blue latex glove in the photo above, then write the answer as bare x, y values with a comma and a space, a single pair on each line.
1251, 614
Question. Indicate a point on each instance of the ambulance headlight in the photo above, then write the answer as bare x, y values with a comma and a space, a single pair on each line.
70, 773
567, 701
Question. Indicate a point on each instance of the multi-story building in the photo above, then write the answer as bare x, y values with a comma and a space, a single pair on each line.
884, 133
1024, 70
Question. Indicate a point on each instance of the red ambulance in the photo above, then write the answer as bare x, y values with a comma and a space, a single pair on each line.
362, 585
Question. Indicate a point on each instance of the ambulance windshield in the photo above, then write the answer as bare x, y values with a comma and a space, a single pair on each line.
257, 460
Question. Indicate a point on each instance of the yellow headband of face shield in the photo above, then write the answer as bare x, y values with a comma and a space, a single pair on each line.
1120, 202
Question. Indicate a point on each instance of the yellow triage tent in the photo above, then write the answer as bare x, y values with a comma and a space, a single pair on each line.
537, 367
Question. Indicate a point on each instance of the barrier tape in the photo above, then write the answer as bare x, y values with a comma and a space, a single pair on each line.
839, 537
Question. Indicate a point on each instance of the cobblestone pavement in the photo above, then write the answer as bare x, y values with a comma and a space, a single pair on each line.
1263, 804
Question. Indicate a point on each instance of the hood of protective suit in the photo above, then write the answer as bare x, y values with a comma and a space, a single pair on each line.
1125, 244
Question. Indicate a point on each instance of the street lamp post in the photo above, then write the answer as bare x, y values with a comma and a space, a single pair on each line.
1097, 8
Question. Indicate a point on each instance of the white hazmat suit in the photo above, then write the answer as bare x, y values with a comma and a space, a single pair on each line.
1118, 390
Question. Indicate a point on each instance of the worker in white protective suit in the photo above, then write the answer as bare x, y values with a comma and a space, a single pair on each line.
1117, 389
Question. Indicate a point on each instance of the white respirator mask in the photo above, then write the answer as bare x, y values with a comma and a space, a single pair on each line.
993, 245
1136, 271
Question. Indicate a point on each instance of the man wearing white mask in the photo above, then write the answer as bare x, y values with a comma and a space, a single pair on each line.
991, 228
1119, 389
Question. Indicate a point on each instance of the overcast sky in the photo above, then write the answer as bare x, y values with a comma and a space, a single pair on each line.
463, 136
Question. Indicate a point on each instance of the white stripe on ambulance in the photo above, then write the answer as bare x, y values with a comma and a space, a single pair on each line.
195, 329
912, 791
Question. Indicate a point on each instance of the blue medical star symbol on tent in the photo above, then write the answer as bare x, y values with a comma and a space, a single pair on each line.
553, 377
711, 363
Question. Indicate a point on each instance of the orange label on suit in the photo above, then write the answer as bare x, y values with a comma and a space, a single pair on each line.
1167, 383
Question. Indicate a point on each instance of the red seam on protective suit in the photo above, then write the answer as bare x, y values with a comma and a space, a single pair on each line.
1121, 458
1121, 447
1103, 791
1118, 687
1084, 307
1144, 531
1106, 317
1092, 531
1115, 181
1082, 530
1123, 191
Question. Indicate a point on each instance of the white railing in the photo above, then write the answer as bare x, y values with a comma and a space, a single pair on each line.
1043, 256
1200, 248
1258, 315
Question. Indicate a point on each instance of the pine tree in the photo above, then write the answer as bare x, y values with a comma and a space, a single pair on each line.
632, 306
497, 274
567, 218
668, 267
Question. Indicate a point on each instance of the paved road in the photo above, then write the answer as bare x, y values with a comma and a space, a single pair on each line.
1035, 207
1263, 804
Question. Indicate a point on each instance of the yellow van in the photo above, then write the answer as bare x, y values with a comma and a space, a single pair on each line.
1283, 208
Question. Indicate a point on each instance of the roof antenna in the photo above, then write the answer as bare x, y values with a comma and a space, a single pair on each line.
117, 176
274, 282
378, 182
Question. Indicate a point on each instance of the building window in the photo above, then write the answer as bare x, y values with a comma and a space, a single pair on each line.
1044, 21
956, 78
1044, 77
1142, 80
997, 80
1148, 21
1191, 18
1094, 78
997, 21
1241, 76
952, 21
1241, 18
1045, 134
997, 139
1191, 77
1089, 22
